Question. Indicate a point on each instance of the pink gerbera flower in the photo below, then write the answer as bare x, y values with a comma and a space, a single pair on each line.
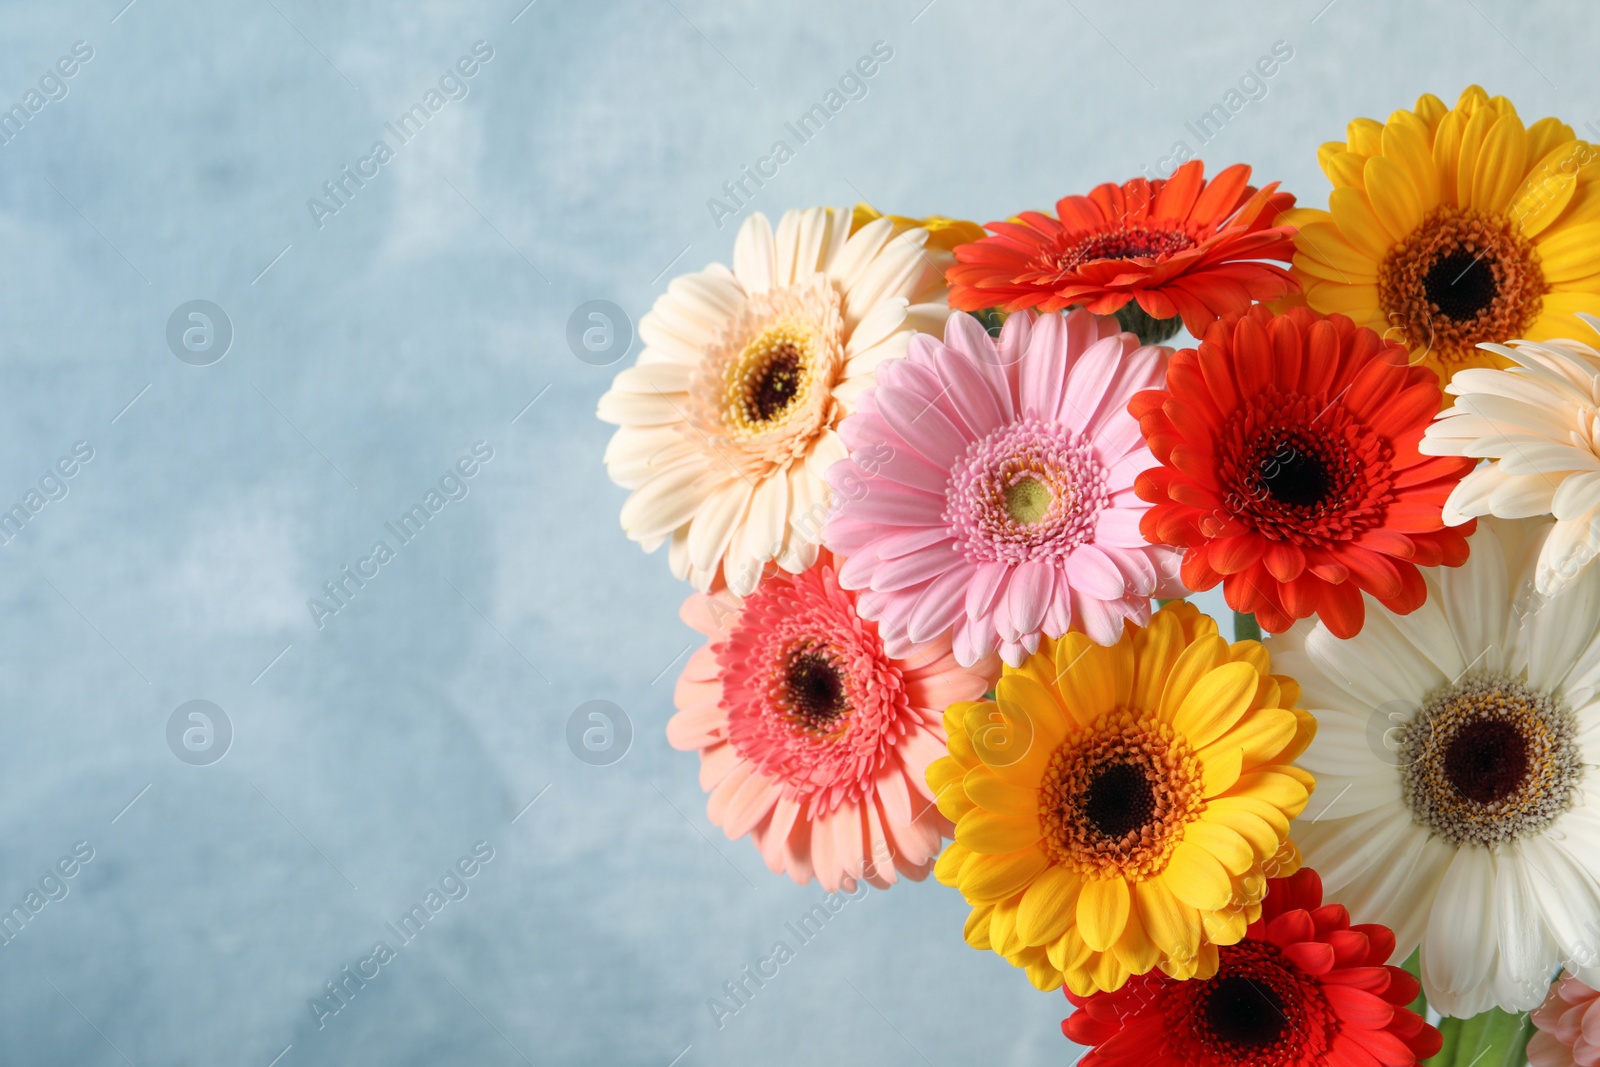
1568, 1026
812, 739
989, 491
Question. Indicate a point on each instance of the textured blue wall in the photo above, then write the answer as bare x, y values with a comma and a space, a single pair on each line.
371, 349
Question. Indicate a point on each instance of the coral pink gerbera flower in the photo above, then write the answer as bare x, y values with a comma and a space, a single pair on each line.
1569, 1026
812, 739
989, 493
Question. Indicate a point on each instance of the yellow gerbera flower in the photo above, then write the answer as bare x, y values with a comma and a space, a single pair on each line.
1120, 809
943, 233
1449, 227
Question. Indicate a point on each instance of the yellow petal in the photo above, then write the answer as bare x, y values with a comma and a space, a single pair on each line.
1220, 769
986, 832
1447, 153
1262, 735
1546, 135
1103, 912
1092, 680
976, 931
1134, 949
1394, 199
1276, 787
1049, 907
1194, 663
1352, 213
1034, 710
1502, 165
991, 878
948, 869
1231, 850
1003, 928
1356, 301
943, 773
1171, 924
1472, 138
1570, 252
1158, 647
1225, 927
1108, 972
1068, 952
1270, 814
1364, 136
1406, 141
1197, 878
1045, 978
1344, 169
1215, 702
1547, 191
1324, 244
994, 794
1255, 830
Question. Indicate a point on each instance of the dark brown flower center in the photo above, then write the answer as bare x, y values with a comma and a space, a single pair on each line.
1243, 1013
1119, 800
773, 387
815, 691
1131, 242
1489, 760
1295, 476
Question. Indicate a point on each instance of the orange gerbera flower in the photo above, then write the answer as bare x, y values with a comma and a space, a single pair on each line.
1180, 247
1289, 470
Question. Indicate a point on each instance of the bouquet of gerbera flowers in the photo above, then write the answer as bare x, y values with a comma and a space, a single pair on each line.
942, 491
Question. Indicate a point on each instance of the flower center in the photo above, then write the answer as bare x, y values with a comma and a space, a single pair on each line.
1294, 476
1243, 1013
1028, 489
812, 699
763, 389
770, 375
1259, 1009
814, 692
1027, 500
1114, 799
1130, 242
1300, 469
1118, 800
1462, 278
1489, 760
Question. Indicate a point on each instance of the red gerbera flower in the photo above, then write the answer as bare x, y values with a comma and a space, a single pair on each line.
1179, 246
1290, 471
1303, 989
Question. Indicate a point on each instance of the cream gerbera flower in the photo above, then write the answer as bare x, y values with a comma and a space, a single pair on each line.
728, 418
1538, 424
1455, 758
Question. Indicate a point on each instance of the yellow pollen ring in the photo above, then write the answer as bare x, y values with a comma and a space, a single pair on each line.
771, 377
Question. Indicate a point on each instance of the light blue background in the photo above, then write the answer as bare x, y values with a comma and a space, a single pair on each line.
421, 318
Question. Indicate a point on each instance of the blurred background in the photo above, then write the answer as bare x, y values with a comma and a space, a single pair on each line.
256, 343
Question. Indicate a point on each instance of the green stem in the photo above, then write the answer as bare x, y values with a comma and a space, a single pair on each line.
1451, 1029
1245, 627
1491, 1039
1413, 967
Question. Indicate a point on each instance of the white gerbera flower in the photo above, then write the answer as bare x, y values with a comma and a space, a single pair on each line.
728, 419
1538, 424
1455, 759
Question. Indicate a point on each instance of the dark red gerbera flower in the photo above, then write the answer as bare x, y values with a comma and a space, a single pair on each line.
1289, 469
1303, 989
1180, 246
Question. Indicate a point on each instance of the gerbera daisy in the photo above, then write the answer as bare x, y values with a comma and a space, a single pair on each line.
812, 739
1006, 508
1538, 424
1568, 1025
943, 233
1114, 806
727, 422
1455, 755
1449, 227
1178, 247
1290, 471
1302, 989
